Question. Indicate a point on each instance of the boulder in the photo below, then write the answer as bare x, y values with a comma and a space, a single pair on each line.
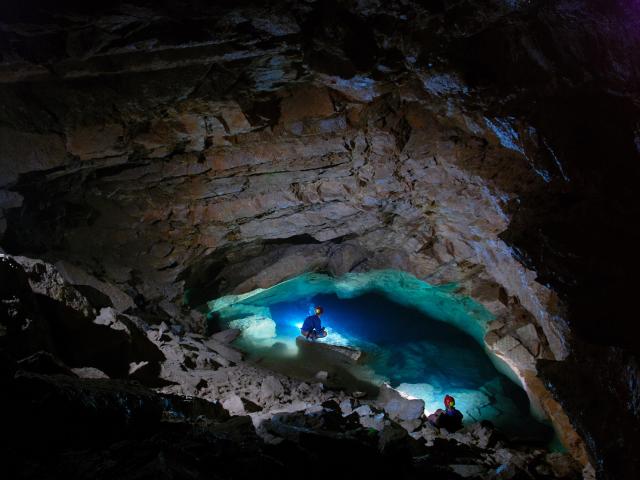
234, 405
411, 425
45, 312
394, 440
271, 388
346, 406
522, 358
337, 353
469, 471
485, 435
224, 351
428, 433
529, 338
505, 344
398, 405
93, 288
377, 421
46, 364
44, 279
128, 342
226, 336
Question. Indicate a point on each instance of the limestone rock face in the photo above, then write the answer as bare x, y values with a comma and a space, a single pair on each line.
161, 156
41, 311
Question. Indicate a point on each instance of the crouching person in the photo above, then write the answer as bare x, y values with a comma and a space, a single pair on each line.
312, 328
450, 418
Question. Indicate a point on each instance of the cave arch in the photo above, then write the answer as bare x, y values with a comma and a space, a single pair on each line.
269, 320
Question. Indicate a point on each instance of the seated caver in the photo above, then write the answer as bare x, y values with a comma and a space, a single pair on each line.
312, 327
450, 418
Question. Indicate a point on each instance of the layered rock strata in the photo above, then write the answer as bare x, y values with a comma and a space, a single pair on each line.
162, 156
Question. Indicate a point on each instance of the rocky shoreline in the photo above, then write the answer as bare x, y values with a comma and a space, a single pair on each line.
184, 391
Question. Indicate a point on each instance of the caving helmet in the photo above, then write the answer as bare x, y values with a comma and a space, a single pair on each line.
318, 310
449, 401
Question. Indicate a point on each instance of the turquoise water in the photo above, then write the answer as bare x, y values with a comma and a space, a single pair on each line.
425, 341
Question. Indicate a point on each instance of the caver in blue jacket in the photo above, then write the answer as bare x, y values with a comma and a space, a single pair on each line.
312, 327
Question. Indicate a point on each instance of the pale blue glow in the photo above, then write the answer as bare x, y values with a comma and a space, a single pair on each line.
414, 341
439, 302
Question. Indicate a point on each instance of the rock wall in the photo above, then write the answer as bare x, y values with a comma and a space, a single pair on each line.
166, 155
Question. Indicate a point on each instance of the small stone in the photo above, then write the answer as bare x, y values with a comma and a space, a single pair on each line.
322, 375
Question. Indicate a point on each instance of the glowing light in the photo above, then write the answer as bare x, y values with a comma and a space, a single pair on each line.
412, 361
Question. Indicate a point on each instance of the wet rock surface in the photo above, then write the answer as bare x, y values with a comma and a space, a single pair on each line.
154, 157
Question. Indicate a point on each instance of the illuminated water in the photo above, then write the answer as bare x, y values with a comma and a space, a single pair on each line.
424, 340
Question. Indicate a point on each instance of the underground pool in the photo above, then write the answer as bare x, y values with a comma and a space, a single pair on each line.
425, 341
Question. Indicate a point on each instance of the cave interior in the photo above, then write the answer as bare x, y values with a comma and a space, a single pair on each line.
454, 181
